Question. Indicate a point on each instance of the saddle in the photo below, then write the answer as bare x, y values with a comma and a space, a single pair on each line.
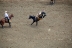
6, 20
39, 18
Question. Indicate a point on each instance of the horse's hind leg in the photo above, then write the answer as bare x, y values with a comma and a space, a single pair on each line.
2, 26
36, 23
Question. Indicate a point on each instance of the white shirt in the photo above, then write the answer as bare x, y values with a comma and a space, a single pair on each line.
6, 15
39, 13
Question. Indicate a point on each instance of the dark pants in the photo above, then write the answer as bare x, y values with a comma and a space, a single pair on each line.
6, 18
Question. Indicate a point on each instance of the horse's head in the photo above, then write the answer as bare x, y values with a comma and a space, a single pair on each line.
11, 16
43, 14
30, 17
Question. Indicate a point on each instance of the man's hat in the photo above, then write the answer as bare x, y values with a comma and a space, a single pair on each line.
5, 11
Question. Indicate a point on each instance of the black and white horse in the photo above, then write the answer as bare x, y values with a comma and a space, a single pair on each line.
36, 19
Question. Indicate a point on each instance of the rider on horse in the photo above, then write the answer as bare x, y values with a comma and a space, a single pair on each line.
39, 15
6, 16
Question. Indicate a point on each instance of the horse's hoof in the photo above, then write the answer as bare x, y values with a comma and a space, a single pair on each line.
10, 26
2, 27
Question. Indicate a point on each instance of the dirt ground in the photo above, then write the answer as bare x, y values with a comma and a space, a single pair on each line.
54, 31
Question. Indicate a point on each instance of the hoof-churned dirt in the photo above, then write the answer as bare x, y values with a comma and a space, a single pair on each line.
54, 31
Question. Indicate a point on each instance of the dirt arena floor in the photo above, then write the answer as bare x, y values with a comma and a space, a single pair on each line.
54, 31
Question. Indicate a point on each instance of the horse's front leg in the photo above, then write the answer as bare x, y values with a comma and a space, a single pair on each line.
36, 23
2, 26
9, 24
32, 22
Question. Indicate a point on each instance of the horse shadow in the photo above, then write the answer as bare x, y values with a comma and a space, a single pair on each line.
5, 27
34, 26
